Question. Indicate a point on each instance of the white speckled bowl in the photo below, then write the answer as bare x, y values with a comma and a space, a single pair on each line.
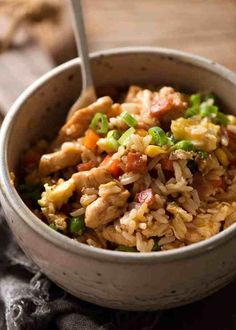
115, 279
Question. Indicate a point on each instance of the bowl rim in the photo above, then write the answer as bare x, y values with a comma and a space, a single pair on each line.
13, 200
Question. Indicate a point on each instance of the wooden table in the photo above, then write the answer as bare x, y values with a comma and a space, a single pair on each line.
204, 27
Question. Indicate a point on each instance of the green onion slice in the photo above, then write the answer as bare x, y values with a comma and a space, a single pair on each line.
193, 110
99, 123
185, 145
77, 225
195, 100
128, 119
158, 136
190, 112
113, 134
124, 137
207, 110
112, 143
221, 119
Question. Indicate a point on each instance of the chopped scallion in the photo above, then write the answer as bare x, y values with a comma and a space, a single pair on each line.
195, 100
221, 119
190, 112
124, 137
207, 110
193, 110
185, 145
158, 136
99, 123
112, 144
114, 134
128, 119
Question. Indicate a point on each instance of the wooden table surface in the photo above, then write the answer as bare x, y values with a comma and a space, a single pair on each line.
204, 27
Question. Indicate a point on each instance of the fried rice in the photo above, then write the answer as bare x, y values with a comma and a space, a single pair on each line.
154, 172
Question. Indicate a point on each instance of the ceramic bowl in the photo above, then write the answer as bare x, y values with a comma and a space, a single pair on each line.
142, 281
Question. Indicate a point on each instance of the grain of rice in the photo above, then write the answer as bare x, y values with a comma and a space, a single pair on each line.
117, 122
161, 187
178, 172
78, 212
141, 211
109, 188
179, 228
129, 178
166, 240
160, 173
142, 225
85, 200
153, 162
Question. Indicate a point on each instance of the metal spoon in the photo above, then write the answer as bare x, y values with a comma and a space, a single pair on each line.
88, 94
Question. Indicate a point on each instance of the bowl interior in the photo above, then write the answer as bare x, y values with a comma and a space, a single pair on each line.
44, 105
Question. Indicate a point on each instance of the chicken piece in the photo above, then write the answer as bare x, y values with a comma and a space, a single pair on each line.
92, 178
110, 234
145, 98
79, 122
108, 207
68, 155
132, 92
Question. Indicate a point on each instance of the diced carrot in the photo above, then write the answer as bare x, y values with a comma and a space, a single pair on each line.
135, 163
85, 166
167, 164
114, 111
146, 196
114, 168
90, 139
112, 165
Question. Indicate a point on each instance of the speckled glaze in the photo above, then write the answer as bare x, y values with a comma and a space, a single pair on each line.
115, 279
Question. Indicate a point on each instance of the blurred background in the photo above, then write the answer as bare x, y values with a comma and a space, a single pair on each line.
36, 35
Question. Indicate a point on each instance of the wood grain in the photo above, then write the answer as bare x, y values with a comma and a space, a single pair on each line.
204, 27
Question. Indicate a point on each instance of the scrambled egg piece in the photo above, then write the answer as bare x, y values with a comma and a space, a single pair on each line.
57, 195
202, 133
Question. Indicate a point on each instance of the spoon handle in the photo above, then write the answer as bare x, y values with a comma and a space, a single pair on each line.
81, 43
